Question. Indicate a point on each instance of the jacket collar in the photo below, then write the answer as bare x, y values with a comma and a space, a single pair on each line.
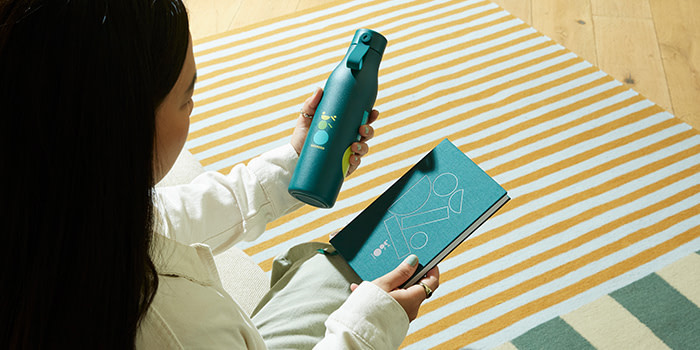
172, 258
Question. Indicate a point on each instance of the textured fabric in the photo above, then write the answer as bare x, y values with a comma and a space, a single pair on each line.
245, 281
308, 287
551, 335
654, 312
185, 169
604, 184
192, 309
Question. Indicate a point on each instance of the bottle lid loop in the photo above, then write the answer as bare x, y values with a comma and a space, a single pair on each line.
358, 52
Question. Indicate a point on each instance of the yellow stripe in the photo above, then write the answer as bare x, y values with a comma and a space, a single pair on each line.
563, 203
507, 116
476, 240
479, 96
576, 139
264, 23
608, 325
272, 123
470, 70
531, 123
568, 292
280, 30
312, 47
572, 161
313, 79
368, 20
237, 120
586, 283
386, 178
549, 232
382, 179
546, 301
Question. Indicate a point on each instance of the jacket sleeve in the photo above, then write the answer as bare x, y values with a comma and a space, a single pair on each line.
369, 319
221, 210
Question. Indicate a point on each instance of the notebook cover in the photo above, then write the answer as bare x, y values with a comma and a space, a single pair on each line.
428, 212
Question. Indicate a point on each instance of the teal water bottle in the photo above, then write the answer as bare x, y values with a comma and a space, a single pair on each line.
347, 101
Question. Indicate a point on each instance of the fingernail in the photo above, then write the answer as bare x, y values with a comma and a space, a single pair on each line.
411, 260
359, 147
366, 130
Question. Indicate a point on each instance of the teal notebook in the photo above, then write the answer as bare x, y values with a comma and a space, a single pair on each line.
429, 211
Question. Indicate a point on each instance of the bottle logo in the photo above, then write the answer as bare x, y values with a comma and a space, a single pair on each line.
321, 135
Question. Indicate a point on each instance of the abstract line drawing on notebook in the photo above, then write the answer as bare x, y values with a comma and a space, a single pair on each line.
424, 203
414, 199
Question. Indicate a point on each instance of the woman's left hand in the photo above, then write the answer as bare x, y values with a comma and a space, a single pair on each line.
302, 128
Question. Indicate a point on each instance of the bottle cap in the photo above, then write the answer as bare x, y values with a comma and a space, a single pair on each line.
364, 40
374, 40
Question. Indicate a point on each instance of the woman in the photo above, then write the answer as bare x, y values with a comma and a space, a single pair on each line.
96, 98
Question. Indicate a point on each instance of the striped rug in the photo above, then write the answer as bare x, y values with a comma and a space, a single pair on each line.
605, 184
659, 311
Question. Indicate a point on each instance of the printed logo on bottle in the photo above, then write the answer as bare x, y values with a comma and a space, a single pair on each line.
321, 135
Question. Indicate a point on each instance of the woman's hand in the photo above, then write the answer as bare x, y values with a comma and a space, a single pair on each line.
409, 298
302, 128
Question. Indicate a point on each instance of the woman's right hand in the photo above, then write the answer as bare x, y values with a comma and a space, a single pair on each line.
409, 298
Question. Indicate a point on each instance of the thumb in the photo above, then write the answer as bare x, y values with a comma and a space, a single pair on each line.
312, 102
399, 275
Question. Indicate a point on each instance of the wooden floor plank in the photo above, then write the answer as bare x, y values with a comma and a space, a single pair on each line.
571, 23
252, 12
519, 8
678, 32
307, 4
209, 17
627, 50
621, 8
567, 22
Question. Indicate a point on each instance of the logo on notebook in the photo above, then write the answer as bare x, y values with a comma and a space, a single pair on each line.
382, 247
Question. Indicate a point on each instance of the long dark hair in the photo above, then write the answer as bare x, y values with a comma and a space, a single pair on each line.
80, 81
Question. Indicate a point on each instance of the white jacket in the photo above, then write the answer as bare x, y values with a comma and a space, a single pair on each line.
191, 309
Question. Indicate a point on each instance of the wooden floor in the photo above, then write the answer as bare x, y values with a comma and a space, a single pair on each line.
653, 46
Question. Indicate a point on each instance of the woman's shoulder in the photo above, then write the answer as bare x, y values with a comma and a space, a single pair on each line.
190, 307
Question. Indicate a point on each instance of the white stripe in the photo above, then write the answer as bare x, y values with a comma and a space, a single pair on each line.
310, 17
564, 214
574, 149
555, 178
320, 71
557, 284
587, 296
254, 121
295, 22
439, 100
273, 116
291, 40
301, 25
424, 74
596, 180
431, 137
302, 67
551, 107
382, 157
266, 254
